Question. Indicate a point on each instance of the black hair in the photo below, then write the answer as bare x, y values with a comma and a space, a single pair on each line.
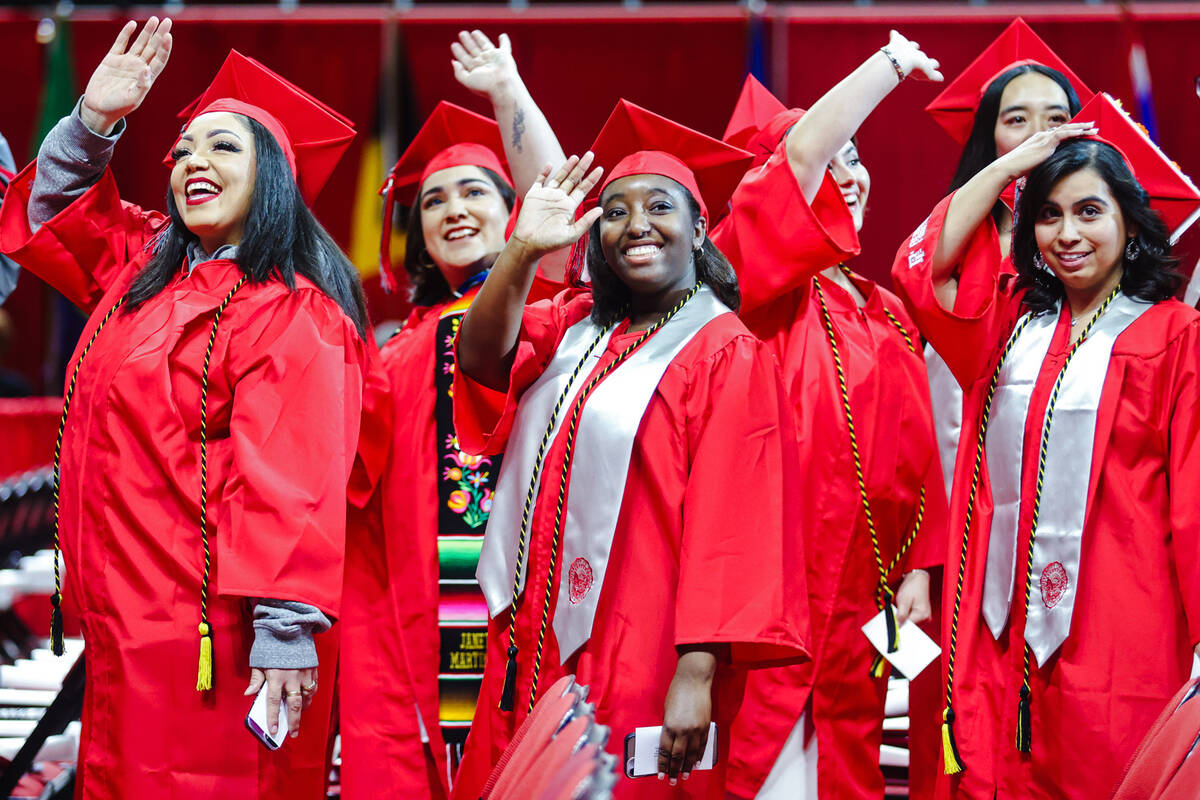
980, 149
429, 286
282, 239
611, 297
1150, 276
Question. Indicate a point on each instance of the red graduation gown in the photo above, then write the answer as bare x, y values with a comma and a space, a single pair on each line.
1137, 608
283, 405
705, 525
1166, 765
889, 395
393, 648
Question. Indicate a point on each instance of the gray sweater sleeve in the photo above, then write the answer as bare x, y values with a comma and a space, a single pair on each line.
283, 634
8, 268
72, 158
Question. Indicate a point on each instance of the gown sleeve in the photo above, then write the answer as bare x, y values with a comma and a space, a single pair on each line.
483, 417
1184, 476
984, 309
85, 249
375, 431
741, 573
775, 239
296, 369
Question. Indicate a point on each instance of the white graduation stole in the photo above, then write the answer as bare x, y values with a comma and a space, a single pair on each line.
1056, 552
604, 444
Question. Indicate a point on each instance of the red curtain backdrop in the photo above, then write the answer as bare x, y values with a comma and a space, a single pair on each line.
686, 62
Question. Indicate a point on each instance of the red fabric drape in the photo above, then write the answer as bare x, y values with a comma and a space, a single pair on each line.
686, 62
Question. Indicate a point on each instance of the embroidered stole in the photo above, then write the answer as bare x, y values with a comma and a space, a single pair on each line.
1056, 553
607, 429
464, 487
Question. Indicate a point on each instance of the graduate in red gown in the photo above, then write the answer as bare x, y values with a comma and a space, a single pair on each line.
1074, 531
419, 518
793, 221
1015, 88
660, 556
213, 406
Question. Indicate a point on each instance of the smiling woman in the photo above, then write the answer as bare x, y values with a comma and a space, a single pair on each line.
208, 426
1081, 380
410, 639
617, 519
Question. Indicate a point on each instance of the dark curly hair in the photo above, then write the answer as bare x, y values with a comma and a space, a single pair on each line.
282, 239
1151, 276
429, 286
611, 297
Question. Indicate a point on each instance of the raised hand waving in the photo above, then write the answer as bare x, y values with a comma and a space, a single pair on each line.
121, 81
547, 219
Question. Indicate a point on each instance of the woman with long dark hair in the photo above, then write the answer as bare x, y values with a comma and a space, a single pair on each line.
872, 510
1015, 88
414, 624
641, 536
1074, 527
210, 417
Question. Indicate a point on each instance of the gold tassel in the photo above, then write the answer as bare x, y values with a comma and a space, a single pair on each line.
878, 667
204, 677
954, 763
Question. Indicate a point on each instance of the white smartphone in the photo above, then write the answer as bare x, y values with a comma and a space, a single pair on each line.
256, 721
641, 751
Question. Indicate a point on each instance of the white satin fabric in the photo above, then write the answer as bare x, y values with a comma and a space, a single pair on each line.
1057, 547
603, 447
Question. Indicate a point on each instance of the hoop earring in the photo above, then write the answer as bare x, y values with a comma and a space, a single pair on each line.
1132, 251
424, 261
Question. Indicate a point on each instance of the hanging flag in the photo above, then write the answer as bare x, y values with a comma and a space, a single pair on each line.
58, 84
1139, 73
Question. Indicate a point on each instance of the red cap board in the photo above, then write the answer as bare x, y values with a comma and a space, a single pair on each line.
1172, 194
756, 106
452, 136
312, 135
954, 109
635, 141
759, 121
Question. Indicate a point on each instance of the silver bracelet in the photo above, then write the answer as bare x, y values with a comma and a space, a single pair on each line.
895, 64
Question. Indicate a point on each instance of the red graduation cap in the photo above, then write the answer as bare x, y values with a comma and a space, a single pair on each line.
451, 137
759, 121
756, 106
1172, 194
954, 108
312, 135
635, 141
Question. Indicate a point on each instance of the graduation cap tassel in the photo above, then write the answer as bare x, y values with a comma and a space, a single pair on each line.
56, 624
1024, 724
953, 761
508, 694
204, 673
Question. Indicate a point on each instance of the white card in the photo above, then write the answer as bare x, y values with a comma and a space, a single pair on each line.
916, 648
645, 751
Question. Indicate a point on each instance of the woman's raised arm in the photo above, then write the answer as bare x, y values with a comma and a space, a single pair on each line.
828, 125
488, 337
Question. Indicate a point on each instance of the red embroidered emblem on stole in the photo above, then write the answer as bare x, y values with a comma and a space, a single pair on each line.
1054, 584
580, 579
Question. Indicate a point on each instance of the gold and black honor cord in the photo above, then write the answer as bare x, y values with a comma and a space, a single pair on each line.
204, 672
508, 693
953, 762
884, 595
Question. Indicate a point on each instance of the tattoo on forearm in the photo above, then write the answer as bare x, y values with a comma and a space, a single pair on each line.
518, 129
